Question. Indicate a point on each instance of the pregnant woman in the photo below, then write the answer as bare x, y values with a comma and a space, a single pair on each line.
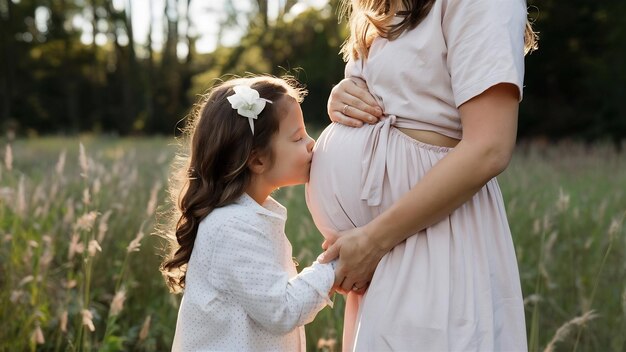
410, 202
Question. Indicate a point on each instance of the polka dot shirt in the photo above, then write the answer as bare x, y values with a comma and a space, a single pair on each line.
243, 292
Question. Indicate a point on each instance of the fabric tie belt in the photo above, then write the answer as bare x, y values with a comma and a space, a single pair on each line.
374, 162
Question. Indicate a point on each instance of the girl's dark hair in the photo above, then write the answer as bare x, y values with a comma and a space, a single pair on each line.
369, 19
212, 171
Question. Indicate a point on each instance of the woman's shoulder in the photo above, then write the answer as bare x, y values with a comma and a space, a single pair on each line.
480, 10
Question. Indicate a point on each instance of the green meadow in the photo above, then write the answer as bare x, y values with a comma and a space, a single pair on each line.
79, 259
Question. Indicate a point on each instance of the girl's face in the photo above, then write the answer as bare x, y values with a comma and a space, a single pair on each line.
292, 148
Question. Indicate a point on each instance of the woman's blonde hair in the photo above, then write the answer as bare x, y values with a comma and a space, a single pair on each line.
369, 19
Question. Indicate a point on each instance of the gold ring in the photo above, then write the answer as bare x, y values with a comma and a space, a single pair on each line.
344, 108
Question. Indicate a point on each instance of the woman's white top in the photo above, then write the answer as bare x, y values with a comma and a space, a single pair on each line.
459, 50
242, 290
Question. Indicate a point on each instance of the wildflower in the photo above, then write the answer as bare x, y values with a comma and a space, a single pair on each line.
47, 256
54, 189
563, 202
93, 247
536, 226
118, 302
64, 321
26, 280
16, 295
153, 198
27, 256
86, 197
588, 243
61, 163
547, 223
82, 160
85, 222
566, 328
21, 198
103, 225
533, 299
549, 245
37, 336
97, 185
75, 246
69, 213
145, 328
615, 227
88, 319
544, 272
134, 245
39, 194
8, 157
323, 344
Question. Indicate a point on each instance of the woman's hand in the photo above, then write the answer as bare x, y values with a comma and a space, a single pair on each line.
358, 259
350, 103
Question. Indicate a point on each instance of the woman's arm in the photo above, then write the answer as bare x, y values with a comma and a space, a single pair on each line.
489, 132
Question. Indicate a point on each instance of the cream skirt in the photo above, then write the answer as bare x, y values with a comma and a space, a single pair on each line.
452, 287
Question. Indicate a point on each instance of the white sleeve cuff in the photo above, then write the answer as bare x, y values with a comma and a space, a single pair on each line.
321, 277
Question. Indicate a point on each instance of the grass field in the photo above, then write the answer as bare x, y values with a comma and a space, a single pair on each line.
79, 266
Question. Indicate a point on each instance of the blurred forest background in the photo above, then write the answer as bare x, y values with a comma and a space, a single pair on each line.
105, 84
71, 66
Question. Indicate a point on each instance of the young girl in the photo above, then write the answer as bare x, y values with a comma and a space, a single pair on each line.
231, 256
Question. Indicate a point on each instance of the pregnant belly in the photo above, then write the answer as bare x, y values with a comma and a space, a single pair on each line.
335, 185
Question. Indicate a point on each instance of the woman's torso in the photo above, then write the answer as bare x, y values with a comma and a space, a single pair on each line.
409, 78
457, 51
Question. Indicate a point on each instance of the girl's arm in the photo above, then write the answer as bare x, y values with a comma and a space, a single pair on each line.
489, 133
246, 264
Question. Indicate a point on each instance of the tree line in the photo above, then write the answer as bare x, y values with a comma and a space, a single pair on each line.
52, 82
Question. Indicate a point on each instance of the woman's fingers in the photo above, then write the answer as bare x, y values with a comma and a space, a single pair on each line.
358, 259
348, 284
360, 287
340, 290
350, 103
338, 117
331, 253
362, 98
359, 111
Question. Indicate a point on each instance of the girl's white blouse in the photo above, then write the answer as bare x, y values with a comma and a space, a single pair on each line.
242, 290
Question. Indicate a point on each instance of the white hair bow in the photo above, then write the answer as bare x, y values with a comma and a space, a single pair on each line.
248, 103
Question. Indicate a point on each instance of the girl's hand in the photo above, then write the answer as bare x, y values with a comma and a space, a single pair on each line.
358, 259
350, 103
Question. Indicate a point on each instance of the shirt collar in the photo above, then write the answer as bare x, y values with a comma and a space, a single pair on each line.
270, 207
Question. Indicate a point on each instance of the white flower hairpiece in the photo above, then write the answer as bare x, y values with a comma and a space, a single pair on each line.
248, 103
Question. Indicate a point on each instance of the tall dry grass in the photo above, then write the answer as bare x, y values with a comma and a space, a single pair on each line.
79, 267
